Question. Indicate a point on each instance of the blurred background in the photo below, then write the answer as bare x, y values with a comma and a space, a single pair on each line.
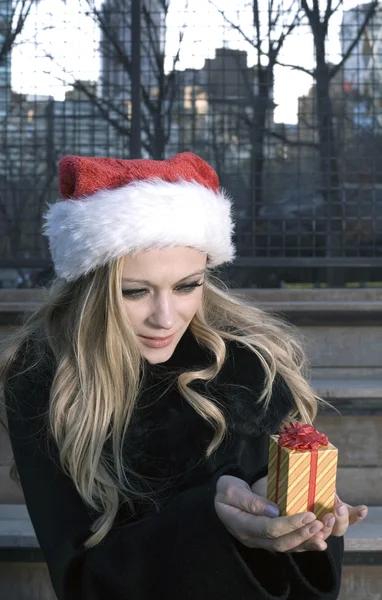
284, 99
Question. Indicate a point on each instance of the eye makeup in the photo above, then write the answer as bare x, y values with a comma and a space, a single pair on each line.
141, 292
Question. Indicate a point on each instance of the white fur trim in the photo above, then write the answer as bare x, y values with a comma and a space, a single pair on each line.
87, 233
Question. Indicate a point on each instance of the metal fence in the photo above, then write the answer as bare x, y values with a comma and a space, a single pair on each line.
282, 98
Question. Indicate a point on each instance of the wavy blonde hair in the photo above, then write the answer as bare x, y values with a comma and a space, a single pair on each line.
85, 324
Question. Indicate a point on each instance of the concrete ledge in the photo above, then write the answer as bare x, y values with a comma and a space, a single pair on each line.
16, 530
19, 307
350, 396
279, 306
321, 306
366, 536
325, 297
284, 300
348, 388
283, 296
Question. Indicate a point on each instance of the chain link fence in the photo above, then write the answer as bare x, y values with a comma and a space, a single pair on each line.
282, 98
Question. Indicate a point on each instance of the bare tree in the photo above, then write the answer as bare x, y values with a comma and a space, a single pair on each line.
271, 28
26, 189
13, 24
157, 89
318, 17
23, 194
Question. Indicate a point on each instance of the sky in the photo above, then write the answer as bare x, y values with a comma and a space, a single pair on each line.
59, 44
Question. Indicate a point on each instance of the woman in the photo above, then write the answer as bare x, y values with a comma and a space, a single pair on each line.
141, 395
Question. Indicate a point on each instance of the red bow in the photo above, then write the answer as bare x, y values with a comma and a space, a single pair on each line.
302, 437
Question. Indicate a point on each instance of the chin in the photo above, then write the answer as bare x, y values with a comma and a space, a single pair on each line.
155, 356
158, 355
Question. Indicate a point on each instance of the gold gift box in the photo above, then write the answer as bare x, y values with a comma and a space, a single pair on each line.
289, 479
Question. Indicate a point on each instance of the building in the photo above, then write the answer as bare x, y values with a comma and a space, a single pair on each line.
215, 105
215, 115
365, 60
37, 132
363, 68
5, 56
116, 39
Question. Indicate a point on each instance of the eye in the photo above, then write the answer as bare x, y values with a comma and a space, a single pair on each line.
133, 293
189, 287
184, 289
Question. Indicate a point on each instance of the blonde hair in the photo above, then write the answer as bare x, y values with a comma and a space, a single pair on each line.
85, 324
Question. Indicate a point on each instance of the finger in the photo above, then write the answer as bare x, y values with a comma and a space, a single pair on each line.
317, 541
298, 527
260, 486
281, 526
314, 544
342, 519
328, 521
357, 513
241, 497
295, 539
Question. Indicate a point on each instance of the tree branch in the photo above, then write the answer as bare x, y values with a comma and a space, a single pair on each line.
237, 28
120, 53
103, 106
10, 35
296, 68
286, 140
306, 8
330, 12
313, 15
285, 34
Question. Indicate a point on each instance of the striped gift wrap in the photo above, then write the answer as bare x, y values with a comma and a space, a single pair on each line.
302, 480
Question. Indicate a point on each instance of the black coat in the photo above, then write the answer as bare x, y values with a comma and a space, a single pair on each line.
179, 550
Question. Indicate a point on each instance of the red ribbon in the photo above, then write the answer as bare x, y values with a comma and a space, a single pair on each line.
298, 436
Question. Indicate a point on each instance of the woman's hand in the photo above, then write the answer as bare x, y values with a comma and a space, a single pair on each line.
248, 517
335, 523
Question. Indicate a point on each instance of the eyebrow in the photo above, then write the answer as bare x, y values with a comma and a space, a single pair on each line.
127, 279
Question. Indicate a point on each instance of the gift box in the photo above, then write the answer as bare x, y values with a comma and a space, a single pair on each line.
302, 471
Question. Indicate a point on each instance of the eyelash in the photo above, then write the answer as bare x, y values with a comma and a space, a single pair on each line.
135, 294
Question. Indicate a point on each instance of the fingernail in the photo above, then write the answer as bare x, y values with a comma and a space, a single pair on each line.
330, 522
315, 527
271, 510
362, 513
341, 510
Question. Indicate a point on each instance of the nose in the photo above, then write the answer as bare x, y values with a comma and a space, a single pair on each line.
163, 315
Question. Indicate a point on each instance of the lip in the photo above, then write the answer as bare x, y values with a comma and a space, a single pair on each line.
157, 342
157, 338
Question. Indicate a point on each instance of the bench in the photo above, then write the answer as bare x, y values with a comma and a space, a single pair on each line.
363, 543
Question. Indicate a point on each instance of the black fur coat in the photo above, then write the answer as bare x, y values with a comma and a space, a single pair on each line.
175, 548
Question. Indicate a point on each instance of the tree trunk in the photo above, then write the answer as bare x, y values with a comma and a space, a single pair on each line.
158, 145
257, 160
329, 162
260, 109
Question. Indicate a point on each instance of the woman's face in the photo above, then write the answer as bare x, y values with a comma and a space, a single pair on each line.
162, 292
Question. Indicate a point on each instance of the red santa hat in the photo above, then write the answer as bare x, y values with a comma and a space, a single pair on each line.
115, 207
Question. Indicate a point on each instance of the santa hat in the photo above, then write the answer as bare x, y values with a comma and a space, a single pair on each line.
114, 207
